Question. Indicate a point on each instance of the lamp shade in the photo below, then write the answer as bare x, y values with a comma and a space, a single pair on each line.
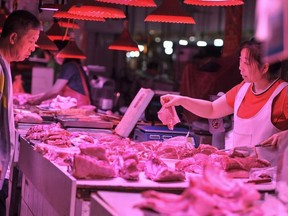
170, 11
214, 2
136, 3
97, 11
124, 42
45, 43
68, 23
71, 50
56, 33
63, 13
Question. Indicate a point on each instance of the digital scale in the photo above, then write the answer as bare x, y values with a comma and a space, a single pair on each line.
161, 133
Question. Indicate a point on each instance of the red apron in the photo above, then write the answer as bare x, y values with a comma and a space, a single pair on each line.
81, 99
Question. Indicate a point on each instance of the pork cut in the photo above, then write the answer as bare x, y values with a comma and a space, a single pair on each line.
87, 167
157, 170
168, 116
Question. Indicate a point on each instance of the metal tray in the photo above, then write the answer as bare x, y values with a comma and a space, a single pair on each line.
76, 122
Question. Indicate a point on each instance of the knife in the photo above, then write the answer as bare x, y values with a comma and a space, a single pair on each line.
264, 145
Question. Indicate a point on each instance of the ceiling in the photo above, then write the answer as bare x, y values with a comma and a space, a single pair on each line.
94, 37
209, 20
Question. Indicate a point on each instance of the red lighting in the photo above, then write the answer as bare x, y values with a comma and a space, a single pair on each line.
214, 2
71, 50
136, 3
97, 11
170, 11
124, 42
56, 33
45, 43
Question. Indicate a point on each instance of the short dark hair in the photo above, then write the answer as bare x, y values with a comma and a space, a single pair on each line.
20, 21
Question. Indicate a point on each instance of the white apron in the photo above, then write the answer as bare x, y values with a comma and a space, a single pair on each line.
252, 131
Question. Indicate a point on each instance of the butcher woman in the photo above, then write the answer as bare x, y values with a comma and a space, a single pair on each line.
259, 104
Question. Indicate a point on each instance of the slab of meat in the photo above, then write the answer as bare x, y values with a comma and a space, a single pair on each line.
97, 151
28, 118
129, 166
77, 138
193, 164
87, 167
157, 170
59, 155
38, 131
168, 116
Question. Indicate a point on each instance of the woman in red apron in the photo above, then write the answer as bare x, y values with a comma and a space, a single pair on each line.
72, 81
259, 103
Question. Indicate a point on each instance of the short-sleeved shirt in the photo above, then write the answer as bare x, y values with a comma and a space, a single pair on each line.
252, 103
71, 71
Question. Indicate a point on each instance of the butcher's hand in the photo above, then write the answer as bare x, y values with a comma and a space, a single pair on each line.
34, 100
277, 139
169, 100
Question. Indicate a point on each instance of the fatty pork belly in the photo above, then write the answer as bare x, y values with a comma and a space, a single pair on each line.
92, 163
156, 170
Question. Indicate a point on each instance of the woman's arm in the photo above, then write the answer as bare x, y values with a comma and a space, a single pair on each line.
53, 92
203, 108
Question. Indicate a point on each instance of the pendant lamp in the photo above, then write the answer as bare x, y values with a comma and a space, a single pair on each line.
63, 13
125, 41
170, 11
45, 43
68, 23
136, 3
95, 10
214, 2
56, 33
71, 50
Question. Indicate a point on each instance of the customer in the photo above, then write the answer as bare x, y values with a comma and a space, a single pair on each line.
259, 103
19, 35
72, 81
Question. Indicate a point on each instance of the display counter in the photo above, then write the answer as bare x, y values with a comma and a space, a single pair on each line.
49, 189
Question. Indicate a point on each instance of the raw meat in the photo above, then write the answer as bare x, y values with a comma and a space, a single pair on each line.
168, 116
87, 167
157, 170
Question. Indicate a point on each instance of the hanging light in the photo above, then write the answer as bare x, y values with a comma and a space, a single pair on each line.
214, 2
45, 43
63, 13
71, 50
96, 10
137, 3
125, 41
56, 33
68, 23
170, 11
